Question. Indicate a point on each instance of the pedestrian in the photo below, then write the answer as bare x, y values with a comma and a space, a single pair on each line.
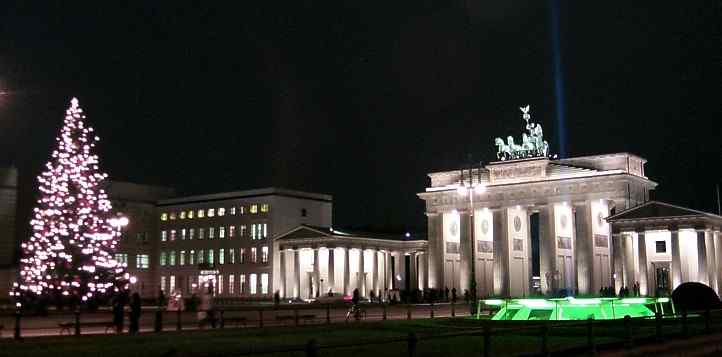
134, 314
118, 312
466, 296
446, 294
453, 295
356, 297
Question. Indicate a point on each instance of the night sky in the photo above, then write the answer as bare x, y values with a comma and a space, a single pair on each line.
361, 100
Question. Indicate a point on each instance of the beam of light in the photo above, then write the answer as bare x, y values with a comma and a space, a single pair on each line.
558, 77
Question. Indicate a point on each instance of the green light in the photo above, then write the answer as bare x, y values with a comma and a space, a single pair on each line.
493, 302
634, 301
663, 300
571, 308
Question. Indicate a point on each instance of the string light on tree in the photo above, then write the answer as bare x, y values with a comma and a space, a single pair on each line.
70, 251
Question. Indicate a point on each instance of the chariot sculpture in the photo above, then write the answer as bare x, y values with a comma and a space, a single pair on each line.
532, 143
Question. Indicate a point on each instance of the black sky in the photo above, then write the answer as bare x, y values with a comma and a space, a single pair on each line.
360, 99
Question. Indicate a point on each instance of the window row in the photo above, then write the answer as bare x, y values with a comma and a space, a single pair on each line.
258, 231
216, 284
208, 256
212, 212
142, 261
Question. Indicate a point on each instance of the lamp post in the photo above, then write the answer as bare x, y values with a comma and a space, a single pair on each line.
469, 189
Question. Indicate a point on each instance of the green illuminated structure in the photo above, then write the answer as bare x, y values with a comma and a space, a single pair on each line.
574, 309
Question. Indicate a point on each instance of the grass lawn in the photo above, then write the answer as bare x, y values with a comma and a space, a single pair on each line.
232, 342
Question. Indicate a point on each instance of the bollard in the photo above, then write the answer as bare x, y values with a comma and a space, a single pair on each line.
408, 312
707, 327
383, 317
590, 335
223, 321
295, 316
158, 323
413, 340
545, 339
658, 326
260, 318
77, 321
453, 309
685, 326
312, 348
17, 335
487, 338
328, 313
628, 327
179, 322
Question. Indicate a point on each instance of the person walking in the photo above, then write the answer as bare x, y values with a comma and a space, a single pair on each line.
134, 314
118, 312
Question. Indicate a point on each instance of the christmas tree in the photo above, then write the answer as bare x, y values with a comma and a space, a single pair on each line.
70, 252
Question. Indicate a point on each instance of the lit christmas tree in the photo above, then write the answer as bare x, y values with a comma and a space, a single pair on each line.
70, 252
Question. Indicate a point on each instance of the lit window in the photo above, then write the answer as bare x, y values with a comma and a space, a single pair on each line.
233, 211
264, 283
264, 208
242, 209
243, 230
231, 256
201, 232
221, 232
242, 255
182, 258
211, 212
163, 258
265, 230
253, 283
192, 257
211, 233
231, 231
172, 284
172, 216
191, 233
221, 211
172, 234
264, 254
162, 285
254, 255
242, 280
253, 231
220, 284
183, 215
121, 258
254, 209
210, 256
171, 258
142, 261
221, 256
200, 213
183, 234
201, 256
163, 236
164, 217
190, 214
231, 284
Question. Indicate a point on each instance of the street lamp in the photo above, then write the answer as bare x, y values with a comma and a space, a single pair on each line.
469, 189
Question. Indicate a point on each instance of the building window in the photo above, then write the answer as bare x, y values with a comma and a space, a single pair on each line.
191, 233
264, 254
304, 213
171, 258
121, 258
253, 283
210, 256
183, 215
253, 209
219, 284
265, 230
242, 280
182, 258
172, 234
661, 246
231, 284
172, 216
142, 261
164, 217
264, 208
211, 233
242, 209
192, 257
221, 256
171, 289
233, 211
254, 255
264, 283
190, 214
162, 285
221, 232
200, 213
255, 231
201, 256
201, 233
141, 237
242, 256
231, 231
221, 211
231, 256
183, 233
211, 212
163, 258
163, 236
243, 230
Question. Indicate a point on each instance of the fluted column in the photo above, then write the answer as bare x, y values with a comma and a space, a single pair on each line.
628, 244
711, 259
387, 271
346, 270
375, 271
282, 264
360, 278
435, 251
316, 273
414, 283
676, 260
618, 261
643, 266
702, 276
331, 270
425, 270
297, 273
464, 251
